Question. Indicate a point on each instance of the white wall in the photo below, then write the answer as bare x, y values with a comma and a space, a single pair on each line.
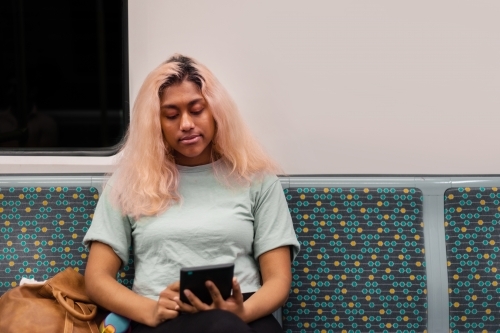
363, 87
342, 87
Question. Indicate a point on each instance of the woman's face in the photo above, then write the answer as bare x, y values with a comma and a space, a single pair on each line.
187, 124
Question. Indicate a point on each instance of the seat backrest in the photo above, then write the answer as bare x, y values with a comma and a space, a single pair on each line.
362, 264
42, 229
361, 267
472, 219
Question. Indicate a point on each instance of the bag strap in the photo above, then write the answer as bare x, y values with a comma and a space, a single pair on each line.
92, 325
68, 321
64, 302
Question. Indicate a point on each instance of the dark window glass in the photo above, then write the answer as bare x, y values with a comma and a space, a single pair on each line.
63, 76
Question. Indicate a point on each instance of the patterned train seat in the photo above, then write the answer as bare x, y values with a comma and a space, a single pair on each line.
472, 219
42, 229
361, 267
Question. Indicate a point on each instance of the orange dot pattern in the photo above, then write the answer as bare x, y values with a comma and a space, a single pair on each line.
472, 219
41, 232
362, 263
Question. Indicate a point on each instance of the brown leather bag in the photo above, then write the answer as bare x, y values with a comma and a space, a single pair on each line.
60, 305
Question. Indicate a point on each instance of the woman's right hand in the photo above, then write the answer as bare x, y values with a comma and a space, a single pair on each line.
166, 307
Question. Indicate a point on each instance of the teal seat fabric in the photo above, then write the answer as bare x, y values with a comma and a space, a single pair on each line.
472, 218
41, 232
361, 267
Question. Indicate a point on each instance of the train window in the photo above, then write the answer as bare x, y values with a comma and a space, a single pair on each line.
63, 77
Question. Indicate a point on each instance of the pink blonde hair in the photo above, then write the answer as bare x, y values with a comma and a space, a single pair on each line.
147, 179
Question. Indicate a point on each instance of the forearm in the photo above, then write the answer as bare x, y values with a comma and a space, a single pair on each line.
102, 287
113, 296
275, 267
270, 297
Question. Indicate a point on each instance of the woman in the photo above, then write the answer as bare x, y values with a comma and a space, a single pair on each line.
192, 188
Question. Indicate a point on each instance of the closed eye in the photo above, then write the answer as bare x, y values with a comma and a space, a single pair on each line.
197, 112
171, 115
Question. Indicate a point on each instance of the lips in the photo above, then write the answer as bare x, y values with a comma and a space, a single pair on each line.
190, 139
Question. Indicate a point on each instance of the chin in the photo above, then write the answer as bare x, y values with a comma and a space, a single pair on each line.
192, 154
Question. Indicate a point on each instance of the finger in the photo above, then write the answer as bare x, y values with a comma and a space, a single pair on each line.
195, 301
215, 293
184, 307
237, 295
171, 291
168, 304
176, 286
166, 314
167, 297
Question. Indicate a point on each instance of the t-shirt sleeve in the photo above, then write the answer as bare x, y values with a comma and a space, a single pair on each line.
110, 227
273, 225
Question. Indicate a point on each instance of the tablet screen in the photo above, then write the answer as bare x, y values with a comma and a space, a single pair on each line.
194, 278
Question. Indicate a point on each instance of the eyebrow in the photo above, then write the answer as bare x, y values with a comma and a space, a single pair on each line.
175, 107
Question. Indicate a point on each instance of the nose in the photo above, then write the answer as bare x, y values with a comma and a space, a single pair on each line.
186, 121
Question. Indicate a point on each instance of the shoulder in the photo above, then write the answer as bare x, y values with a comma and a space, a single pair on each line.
107, 193
259, 182
111, 180
263, 183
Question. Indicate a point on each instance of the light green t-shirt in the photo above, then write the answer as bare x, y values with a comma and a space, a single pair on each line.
213, 224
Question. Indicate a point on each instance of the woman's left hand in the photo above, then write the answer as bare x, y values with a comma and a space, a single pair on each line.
233, 304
